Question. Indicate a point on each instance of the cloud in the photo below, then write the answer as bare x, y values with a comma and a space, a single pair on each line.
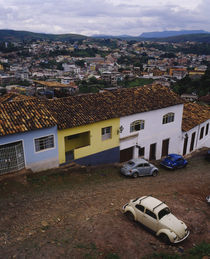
104, 16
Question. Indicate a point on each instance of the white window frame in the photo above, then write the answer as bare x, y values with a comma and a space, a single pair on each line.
137, 123
46, 145
106, 133
169, 117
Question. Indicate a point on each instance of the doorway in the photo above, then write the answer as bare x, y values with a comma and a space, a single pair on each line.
192, 141
152, 153
165, 145
126, 154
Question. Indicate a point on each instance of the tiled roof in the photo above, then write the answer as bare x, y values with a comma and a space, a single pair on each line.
85, 109
14, 97
80, 110
54, 84
193, 115
24, 116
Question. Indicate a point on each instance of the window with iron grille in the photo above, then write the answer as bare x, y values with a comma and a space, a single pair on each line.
137, 125
169, 117
106, 133
44, 143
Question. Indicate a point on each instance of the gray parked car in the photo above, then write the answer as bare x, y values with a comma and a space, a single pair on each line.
138, 167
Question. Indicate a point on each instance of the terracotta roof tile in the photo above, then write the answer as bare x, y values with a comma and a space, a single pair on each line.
193, 115
85, 109
24, 116
80, 110
14, 97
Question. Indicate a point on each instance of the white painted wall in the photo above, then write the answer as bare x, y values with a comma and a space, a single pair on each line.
199, 143
154, 131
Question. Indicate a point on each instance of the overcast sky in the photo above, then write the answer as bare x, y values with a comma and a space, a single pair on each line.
113, 17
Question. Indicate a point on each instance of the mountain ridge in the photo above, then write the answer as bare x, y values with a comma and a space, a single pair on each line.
13, 35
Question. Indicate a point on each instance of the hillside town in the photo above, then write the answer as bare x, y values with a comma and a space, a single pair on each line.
91, 65
104, 129
92, 83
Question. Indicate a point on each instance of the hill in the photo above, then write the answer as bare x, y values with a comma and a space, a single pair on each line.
196, 37
165, 34
12, 35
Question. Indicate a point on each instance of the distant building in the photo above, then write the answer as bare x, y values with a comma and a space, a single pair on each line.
190, 97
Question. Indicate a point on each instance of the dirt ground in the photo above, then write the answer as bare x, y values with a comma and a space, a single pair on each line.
64, 213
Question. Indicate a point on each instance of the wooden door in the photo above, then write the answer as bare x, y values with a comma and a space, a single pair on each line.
165, 145
192, 141
126, 154
185, 145
152, 153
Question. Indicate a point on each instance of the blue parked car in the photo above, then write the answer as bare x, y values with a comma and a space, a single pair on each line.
174, 161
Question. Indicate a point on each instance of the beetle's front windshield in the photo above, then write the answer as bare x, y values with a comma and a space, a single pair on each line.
163, 213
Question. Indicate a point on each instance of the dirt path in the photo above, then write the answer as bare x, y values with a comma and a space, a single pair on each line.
78, 214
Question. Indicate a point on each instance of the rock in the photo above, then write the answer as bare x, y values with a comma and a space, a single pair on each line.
11, 204
180, 249
44, 223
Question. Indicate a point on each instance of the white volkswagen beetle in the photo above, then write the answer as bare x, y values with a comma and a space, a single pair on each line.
156, 216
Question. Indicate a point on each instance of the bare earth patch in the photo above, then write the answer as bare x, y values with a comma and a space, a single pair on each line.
62, 213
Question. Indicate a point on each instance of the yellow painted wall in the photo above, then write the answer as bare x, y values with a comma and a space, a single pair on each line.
96, 142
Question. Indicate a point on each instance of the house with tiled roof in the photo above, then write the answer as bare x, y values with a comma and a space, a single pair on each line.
28, 136
87, 129
195, 127
100, 128
150, 124
118, 125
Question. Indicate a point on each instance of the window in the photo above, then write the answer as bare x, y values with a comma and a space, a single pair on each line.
44, 143
146, 165
201, 132
207, 129
151, 214
140, 165
163, 212
137, 125
169, 117
106, 133
140, 207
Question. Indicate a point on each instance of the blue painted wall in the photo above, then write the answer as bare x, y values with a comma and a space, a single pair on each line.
27, 139
105, 157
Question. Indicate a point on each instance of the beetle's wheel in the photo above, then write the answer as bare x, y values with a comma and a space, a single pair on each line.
155, 173
135, 175
165, 238
130, 216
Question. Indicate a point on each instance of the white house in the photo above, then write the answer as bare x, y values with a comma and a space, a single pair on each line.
151, 134
151, 126
195, 127
155, 133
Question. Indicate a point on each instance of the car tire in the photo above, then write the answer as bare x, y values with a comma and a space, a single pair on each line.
165, 239
130, 216
155, 173
135, 175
